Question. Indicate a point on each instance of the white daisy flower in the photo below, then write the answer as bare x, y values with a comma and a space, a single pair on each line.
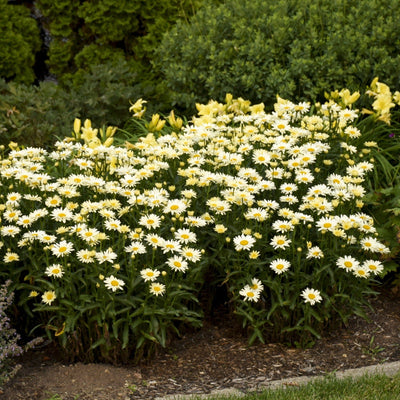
113, 283
361, 272
53, 201
136, 248
48, 297
154, 240
250, 294
86, 256
12, 215
280, 242
282, 226
62, 215
191, 254
177, 264
371, 244
185, 236
375, 267
175, 206
311, 296
149, 274
150, 221
244, 242
10, 257
280, 265
54, 270
315, 252
13, 198
10, 230
170, 246
256, 284
348, 263
105, 256
62, 249
113, 224
157, 289
89, 235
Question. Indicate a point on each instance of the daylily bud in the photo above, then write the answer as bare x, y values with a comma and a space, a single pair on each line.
77, 126
108, 142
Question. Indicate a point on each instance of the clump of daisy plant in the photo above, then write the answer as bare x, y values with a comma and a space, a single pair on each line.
109, 246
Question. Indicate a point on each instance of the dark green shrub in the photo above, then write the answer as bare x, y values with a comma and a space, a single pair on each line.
297, 49
37, 116
104, 94
34, 115
86, 32
19, 41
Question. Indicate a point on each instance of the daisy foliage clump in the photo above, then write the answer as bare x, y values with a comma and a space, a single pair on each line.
109, 245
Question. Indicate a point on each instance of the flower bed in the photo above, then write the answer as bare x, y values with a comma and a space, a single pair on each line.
109, 246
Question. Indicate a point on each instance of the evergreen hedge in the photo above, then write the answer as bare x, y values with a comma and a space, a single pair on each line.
19, 42
295, 48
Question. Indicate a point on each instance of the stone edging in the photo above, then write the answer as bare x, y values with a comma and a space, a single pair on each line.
389, 369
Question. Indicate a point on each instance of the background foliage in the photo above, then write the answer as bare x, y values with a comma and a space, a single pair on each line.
297, 49
87, 33
38, 115
19, 42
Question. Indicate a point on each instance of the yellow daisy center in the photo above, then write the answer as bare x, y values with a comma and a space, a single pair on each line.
348, 264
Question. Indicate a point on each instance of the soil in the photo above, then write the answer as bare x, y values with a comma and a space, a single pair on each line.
215, 357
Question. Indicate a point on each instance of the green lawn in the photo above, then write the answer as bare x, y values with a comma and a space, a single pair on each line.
369, 387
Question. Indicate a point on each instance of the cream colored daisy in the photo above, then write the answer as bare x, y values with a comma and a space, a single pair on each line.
158, 289
280, 265
54, 270
149, 274
311, 296
113, 283
48, 297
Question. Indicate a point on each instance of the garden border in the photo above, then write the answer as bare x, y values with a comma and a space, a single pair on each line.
388, 369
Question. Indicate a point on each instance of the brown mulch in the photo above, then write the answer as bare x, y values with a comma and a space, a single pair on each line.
216, 356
